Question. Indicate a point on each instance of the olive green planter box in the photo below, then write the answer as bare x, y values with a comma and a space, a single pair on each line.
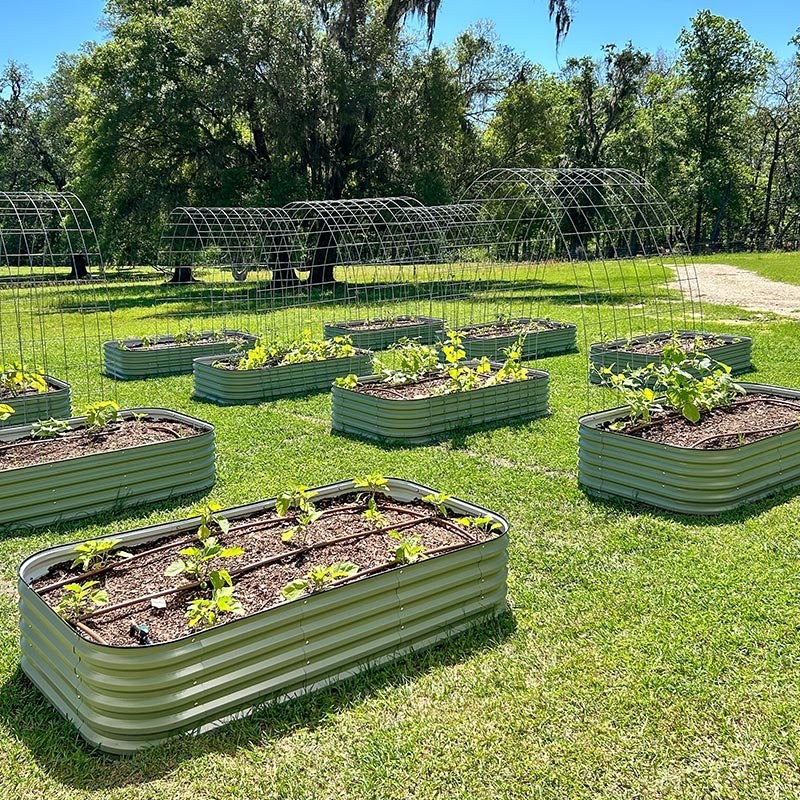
560, 337
736, 353
73, 488
681, 479
232, 386
429, 418
123, 699
428, 331
52, 404
129, 365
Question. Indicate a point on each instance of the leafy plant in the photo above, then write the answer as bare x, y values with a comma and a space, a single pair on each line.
80, 599
412, 362
49, 428
409, 548
439, 500
374, 483
347, 382
318, 578
97, 553
299, 351
204, 612
298, 497
209, 517
5, 412
304, 520
16, 378
189, 336
482, 523
100, 414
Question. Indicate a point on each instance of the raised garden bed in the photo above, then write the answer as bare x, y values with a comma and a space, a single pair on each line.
131, 359
543, 337
624, 355
227, 385
133, 692
713, 466
378, 334
373, 410
33, 405
78, 474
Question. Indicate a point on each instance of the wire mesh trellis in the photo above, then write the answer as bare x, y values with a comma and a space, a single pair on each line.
54, 305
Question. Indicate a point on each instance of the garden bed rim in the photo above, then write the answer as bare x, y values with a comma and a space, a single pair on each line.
210, 360
167, 338
154, 532
613, 345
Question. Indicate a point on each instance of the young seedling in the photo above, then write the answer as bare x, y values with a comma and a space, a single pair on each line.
209, 517
414, 361
204, 612
300, 530
17, 378
49, 428
375, 484
97, 553
481, 523
297, 497
439, 501
80, 598
99, 415
409, 549
347, 382
5, 412
318, 578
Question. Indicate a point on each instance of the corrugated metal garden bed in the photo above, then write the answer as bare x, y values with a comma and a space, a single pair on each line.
124, 698
76, 487
33, 406
125, 359
683, 479
545, 337
426, 330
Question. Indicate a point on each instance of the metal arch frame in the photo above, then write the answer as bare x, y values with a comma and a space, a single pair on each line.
81, 237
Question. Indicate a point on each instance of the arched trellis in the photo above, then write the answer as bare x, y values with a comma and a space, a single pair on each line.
54, 304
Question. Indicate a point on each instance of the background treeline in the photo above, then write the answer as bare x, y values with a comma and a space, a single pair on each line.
259, 102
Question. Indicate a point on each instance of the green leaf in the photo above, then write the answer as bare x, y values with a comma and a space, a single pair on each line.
294, 589
175, 568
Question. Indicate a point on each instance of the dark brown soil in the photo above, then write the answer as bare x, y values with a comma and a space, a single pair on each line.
383, 324
689, 343
412, 391
28, 452
171, 345
512, 328
233, 364
746, 420
7, 396
260, 538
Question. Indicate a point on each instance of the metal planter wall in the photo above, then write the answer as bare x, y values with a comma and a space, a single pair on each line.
123, 699
29, 408
428, 331
229, 386
684, 480
560, 337
426, 419
45, 494
736, 353
139, 364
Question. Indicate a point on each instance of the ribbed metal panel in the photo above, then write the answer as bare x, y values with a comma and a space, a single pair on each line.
139, 364
736, 353
43, 405
45, 494
123, 699
230, 387
423, 420
681, 479
429, 330
561, 338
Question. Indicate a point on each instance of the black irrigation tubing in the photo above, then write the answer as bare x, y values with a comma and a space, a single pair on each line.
242, 529
745, 433
254, 566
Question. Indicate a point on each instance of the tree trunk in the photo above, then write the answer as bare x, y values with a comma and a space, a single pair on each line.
323, 260
182, 275
776, 147
80, 265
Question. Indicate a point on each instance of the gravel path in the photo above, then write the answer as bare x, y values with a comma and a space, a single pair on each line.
723, 284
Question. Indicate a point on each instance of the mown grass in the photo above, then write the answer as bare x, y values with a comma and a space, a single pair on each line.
779, 266
645, 655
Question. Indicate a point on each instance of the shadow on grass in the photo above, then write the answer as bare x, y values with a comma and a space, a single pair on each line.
56, 747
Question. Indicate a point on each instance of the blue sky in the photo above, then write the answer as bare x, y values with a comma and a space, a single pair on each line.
35, 31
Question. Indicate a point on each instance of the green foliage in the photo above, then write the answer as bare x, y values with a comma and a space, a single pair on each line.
16, 378
412, 362
481, 523
409, 549
5, 411
347, 382
318, 578
300, 529
49, 428
210, 518
439, 501
81, 598
374, 483
296, 497
204, 612
300, 351
100, 414
97, 553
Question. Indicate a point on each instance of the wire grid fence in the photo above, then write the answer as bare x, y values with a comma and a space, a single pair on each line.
54, 306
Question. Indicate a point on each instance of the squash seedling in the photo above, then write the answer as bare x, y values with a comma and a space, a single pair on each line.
346, 382
80, 598
49, 428
318, 578
374, 483
97, 553
99, 415
304, 520
481, 523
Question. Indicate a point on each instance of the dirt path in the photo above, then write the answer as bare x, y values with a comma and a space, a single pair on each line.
723, 284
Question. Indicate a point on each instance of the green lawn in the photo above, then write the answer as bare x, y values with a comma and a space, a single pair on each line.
777, 266
644, 655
